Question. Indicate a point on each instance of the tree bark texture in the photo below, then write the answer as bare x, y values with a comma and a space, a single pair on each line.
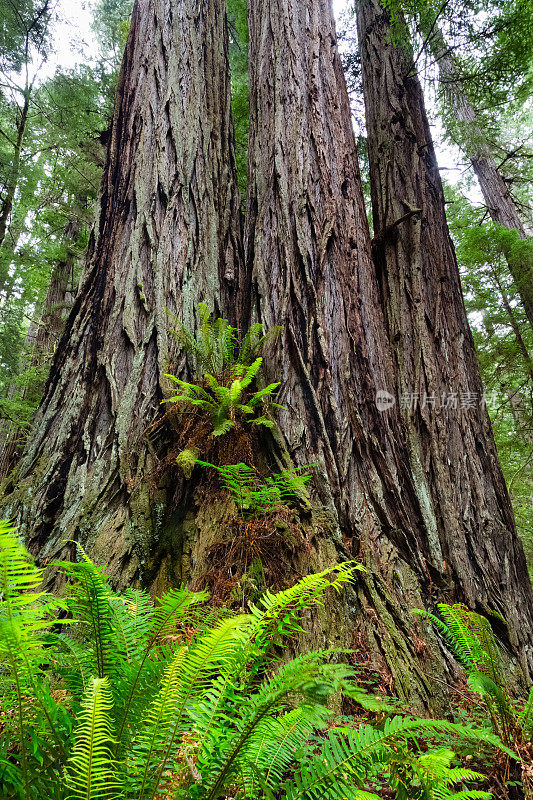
308, 242
494, 188
167, 236
472, 542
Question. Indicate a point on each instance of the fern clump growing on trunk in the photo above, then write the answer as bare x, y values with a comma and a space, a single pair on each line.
226, 372
255, 496
139, 698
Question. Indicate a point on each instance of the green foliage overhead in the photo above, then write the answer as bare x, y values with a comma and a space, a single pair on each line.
504, 343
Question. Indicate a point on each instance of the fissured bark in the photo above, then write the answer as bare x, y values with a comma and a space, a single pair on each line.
167, 236
473, 549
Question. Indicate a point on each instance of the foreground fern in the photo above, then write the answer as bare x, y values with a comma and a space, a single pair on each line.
472, 641
92, 774
138, 700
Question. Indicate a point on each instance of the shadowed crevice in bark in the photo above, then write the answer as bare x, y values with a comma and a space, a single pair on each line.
168, 234
461, 489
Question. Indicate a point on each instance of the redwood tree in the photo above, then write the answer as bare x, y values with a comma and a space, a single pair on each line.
473, 546
166, 236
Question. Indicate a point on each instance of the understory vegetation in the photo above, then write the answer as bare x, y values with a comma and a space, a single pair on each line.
258, 399
115, 695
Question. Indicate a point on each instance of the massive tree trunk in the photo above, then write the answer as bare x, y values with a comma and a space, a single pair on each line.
467, 514
167, 236
494, 187
308, 242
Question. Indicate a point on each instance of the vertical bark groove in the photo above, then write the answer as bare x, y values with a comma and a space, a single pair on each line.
451, 447
167, 235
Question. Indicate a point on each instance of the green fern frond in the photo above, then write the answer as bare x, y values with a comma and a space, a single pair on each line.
220, 392
191, 674
255, 495
251, 372
306, 675
357, 753
280, 612
254, 341
264, 421
266, 394
251, 344
276, 615
92, 774
92, 602
222, 426
168, 615
226, 376
23, 623
276, 742
470, 637
526, 716
172, 609
134, 621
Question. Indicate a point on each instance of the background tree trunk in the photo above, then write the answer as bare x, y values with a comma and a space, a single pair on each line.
167, 236
473, 550
42, 338
494, 188
13, 175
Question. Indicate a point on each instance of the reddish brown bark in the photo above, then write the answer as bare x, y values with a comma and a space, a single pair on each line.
167, 236
468, 517
308, 240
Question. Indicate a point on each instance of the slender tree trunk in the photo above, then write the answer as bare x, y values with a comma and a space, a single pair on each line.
472, 543
59, 298
11, 188
494, 188
167, 236
515, 327
521, 415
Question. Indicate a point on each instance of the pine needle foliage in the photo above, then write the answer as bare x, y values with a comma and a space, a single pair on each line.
256, 496
226, 366
186, 710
